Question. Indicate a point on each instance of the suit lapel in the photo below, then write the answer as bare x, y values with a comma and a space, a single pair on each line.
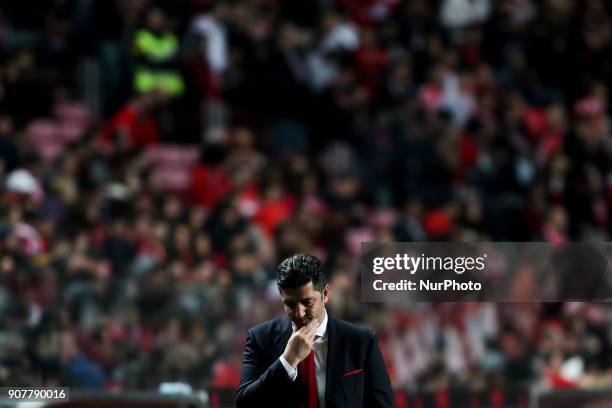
283, 332
335, 362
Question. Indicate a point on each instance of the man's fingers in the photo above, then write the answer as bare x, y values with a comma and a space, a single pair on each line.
308, 334
308, 326
311, 326
312, 333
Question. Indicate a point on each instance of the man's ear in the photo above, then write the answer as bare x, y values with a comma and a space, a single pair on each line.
325, 293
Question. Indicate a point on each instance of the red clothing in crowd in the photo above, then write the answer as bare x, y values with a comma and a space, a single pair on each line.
131, 128
272, 213
209, 185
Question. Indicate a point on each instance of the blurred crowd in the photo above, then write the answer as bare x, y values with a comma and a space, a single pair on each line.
159, 158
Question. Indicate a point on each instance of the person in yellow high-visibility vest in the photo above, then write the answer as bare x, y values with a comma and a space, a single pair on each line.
156, 49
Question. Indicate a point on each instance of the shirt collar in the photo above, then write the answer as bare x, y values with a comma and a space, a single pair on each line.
322, 329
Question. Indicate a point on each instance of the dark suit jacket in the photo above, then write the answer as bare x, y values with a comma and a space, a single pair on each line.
356, 374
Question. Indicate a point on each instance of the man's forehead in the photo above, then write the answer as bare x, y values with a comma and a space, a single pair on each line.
303, 292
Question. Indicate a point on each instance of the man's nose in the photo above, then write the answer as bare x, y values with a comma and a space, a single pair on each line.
301, 311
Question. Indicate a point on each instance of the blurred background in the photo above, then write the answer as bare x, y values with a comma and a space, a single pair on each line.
159, 158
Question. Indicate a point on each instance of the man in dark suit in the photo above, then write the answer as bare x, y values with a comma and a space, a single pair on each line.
308, 358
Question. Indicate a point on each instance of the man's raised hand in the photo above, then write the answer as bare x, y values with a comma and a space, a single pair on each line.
300, 343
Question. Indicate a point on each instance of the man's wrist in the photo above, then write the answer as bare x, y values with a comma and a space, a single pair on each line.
293, 362
291, 372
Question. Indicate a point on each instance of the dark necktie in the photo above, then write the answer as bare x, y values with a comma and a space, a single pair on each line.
306, 373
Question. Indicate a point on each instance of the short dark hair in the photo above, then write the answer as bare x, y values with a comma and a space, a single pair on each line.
300, 269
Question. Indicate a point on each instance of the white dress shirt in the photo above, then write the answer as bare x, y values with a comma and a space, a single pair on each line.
320, 349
